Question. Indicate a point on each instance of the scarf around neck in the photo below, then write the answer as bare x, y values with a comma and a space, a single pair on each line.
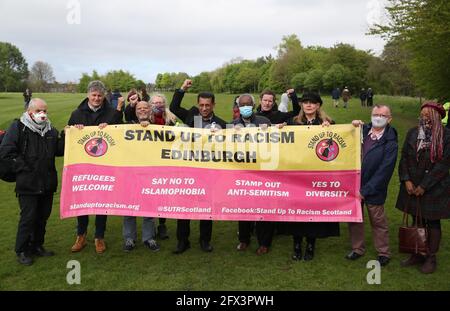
41, 129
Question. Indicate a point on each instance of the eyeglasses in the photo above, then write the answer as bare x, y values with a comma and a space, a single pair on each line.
381, 115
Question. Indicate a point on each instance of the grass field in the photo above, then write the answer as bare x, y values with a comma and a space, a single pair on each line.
224, 268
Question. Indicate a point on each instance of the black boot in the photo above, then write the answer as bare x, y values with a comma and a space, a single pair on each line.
162, 232
24, 259
297, 248
205, 246
310, 246
182, 246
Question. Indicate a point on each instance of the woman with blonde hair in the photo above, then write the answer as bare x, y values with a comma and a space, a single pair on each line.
311, 114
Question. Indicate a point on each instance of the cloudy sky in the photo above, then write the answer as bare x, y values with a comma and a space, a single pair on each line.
147, 37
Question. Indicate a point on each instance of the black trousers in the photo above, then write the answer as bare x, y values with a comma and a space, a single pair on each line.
264, 232
34, 213
100, 225
184, 230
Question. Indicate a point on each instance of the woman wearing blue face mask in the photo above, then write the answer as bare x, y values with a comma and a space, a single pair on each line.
264, 229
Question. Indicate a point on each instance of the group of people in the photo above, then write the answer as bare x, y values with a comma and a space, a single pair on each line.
32, 143
366, 97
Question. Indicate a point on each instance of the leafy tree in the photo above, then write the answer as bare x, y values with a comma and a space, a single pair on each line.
336, 76
298, 81
13, 68
423, 27
41, 76
313, 81
83, 83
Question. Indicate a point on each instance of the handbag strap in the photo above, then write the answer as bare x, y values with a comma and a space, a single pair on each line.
418, 217
419, 214
405, 212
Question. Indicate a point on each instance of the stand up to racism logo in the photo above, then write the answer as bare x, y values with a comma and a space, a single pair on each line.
327, 150
327, 145
96, 147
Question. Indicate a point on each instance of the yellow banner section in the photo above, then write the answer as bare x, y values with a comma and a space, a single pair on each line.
293, 148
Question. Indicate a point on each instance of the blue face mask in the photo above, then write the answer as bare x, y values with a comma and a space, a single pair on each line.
246, 111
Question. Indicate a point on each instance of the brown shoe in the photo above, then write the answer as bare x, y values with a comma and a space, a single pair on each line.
242, 246
262, 250
100, 246
80, 243
414, 259
430, 265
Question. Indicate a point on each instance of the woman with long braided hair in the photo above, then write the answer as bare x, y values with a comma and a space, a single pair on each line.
425, 180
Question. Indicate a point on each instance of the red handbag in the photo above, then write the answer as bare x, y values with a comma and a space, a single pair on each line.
414, 239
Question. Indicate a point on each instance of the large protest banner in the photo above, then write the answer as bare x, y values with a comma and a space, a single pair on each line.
298, 173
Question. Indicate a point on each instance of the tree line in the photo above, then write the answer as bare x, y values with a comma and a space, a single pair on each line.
313, 68
415, 61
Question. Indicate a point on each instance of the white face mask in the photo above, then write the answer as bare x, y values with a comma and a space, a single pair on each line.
379, 122
40, 117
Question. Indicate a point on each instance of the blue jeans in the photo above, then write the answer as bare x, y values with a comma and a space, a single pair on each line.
130, 228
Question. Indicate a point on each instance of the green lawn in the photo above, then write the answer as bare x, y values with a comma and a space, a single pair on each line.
224, 268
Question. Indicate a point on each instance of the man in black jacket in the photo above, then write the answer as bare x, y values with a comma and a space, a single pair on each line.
199, 117
94, 110
267, 102
30, 145
264, 229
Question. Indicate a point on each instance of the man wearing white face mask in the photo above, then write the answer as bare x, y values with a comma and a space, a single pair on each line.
379, 155
31, 145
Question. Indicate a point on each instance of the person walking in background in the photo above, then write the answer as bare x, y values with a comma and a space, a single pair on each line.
346, 96
115, 98
27, 94
363, 97
335, 95
370, 96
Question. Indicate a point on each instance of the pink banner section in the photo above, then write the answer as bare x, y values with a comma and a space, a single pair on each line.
192, 193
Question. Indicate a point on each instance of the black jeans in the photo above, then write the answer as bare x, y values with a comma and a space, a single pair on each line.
34, 213
184, 230
100, 225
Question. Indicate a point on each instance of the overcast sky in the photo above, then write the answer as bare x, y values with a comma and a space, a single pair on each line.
147, 37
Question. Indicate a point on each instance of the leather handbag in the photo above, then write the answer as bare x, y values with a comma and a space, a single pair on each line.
413, 239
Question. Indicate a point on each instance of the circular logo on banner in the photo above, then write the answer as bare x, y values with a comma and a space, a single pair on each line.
327, 150
96, 147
